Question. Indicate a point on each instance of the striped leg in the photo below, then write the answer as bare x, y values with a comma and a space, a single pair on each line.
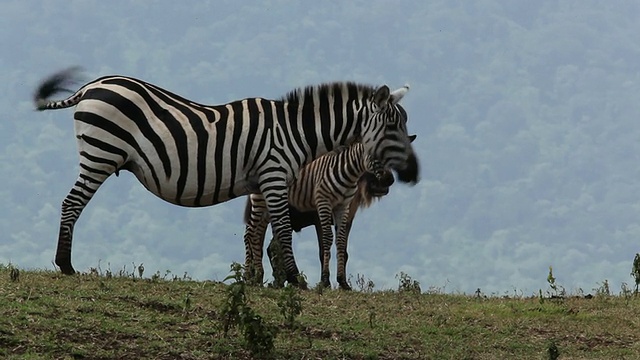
324, 213
276, 196
85, 187
274, 250
320, 246
254, 240
343, 227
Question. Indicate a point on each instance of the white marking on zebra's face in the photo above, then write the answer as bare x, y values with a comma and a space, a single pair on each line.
385, 135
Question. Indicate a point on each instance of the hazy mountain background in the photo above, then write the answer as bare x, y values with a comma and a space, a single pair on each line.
526, 114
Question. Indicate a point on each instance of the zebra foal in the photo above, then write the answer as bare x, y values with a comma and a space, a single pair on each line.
327, 187
194, 155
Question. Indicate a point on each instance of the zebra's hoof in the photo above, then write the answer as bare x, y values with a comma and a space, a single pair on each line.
66, 269
298, 281
69, 272
345, 286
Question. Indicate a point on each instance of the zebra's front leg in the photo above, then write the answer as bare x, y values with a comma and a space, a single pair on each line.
276, 196
324, 214
343, 227
82, 191
274, 252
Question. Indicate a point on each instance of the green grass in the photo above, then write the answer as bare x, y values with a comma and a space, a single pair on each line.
45, 315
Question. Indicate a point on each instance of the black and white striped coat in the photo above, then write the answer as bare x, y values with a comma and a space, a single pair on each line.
327, 186
194, 155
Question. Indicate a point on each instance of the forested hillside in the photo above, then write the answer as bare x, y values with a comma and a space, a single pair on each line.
526, 116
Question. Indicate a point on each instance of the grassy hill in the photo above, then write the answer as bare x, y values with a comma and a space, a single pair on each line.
45, 315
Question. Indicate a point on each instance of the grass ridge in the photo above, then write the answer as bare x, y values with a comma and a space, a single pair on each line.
44, 314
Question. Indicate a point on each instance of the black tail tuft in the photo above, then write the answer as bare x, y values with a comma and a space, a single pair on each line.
55, 83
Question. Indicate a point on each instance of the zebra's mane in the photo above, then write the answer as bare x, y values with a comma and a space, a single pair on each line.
328, 90
363, 199
344, 147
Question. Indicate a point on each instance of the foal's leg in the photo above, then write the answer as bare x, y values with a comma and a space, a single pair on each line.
325, 214
343, 225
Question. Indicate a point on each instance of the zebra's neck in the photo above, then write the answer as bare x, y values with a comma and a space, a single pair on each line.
327, 115
330, 132
355, 160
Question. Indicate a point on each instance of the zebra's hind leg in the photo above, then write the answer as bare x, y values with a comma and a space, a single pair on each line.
81, 193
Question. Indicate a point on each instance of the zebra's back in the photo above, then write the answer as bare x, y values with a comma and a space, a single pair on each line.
185, 153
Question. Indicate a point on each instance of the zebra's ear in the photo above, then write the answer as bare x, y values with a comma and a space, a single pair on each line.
412, 137
381, 96
397, 95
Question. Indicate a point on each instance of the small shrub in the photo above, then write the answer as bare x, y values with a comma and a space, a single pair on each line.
479, 294
140, 270
557, 291
319, 288
635, 271
372, 318
107, 273
603, 290
123, 273
551, 280
364, 285
258, 336
290, 305
187, 304
236, 300
435, 290
236, 312
14, 273
166, 274
625, 291
552, 351
407, 284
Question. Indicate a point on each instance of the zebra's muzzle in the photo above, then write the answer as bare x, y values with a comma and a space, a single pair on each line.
376, 191
410, 173
378, 184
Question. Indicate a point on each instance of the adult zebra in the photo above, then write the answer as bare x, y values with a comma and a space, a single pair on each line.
326, 186
195, 155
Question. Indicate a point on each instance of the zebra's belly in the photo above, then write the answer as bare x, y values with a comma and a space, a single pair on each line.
193, 195
310, 204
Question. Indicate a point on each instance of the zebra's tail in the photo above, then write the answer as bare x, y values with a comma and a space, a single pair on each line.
247, 210
56, 83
